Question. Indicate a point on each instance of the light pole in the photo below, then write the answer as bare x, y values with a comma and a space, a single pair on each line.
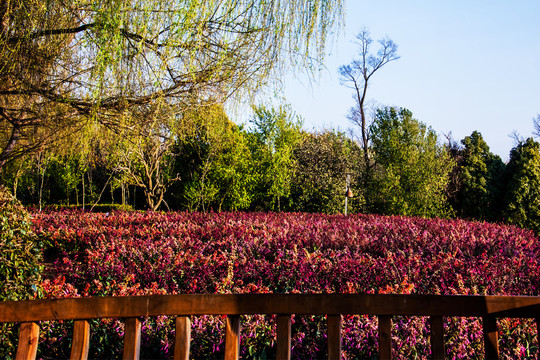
348, 192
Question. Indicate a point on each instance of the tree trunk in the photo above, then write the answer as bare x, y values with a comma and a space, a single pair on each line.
41, 188
112, 194
83, 191
10, 146
16, 181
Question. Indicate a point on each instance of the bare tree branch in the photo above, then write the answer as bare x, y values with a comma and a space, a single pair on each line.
357, 76
50, 32
536, 122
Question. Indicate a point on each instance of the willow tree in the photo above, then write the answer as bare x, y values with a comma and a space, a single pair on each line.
65, 62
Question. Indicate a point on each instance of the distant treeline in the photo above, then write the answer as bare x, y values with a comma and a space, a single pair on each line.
206, 162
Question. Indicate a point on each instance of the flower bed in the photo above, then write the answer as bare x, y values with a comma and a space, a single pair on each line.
133, 253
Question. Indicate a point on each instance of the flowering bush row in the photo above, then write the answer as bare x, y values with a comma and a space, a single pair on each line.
134, 253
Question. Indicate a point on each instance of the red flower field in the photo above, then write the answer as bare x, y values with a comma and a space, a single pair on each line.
134, 253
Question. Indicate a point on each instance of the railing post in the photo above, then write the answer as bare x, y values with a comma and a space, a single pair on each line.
232, 337
437, 338
132, 339
385, 337
283, 351
491, 343
334, 337
28, 341
81, 340
538, 332
182, 338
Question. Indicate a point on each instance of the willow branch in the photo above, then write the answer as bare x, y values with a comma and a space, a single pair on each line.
50, 32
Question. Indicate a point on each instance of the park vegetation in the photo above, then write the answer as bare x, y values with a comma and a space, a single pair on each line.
272, 164
121, 104
112, 107
142, 253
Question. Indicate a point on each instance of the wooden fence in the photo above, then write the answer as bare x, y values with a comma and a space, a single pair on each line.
489, 308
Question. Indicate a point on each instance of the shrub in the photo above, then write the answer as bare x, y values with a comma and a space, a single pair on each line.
20, 253
20, 268
88, 207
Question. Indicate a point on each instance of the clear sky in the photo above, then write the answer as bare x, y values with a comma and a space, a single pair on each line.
465, 65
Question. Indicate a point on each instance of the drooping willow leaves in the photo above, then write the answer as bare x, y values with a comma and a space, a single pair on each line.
61, 60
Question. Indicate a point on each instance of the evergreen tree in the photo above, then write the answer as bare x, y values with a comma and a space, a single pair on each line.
213, 162
522, 201
480, 177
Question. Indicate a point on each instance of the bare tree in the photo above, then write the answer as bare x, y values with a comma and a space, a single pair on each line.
357, 75
516, 137
455, 151
144, 159
536, 122
143, 165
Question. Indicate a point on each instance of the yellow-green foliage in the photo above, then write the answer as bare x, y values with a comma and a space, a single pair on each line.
20, 269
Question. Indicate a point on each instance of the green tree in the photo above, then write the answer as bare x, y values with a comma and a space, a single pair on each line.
412, 169
18, 176
522, 200
480, 181
322, 164
63, 63
273, 138
63, 173
213, 161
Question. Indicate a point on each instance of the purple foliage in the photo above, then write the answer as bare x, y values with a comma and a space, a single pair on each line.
134, 253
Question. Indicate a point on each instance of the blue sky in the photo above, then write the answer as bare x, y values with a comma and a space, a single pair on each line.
464, 66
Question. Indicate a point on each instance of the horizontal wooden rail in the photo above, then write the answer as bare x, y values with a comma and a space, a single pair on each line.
384, 306
250, 304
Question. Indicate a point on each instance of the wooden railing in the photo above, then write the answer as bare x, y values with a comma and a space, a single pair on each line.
489, 308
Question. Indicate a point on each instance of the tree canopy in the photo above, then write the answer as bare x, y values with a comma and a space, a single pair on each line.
412, 169
480, 177
323, 161
275, 135
523, 190
66, 61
